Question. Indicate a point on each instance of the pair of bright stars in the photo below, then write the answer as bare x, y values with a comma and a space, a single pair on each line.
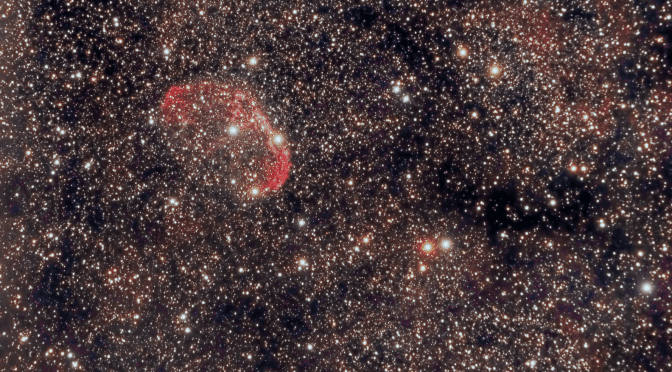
428, 247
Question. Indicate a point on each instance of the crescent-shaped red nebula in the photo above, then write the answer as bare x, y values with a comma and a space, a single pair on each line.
217, 119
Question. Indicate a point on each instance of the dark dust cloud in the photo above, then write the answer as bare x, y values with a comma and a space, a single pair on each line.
387, 185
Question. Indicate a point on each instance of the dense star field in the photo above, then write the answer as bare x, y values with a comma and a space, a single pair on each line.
317, 185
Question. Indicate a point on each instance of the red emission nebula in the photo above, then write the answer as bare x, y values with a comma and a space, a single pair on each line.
228, 137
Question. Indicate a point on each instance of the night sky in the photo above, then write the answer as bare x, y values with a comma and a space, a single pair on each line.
342, 186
